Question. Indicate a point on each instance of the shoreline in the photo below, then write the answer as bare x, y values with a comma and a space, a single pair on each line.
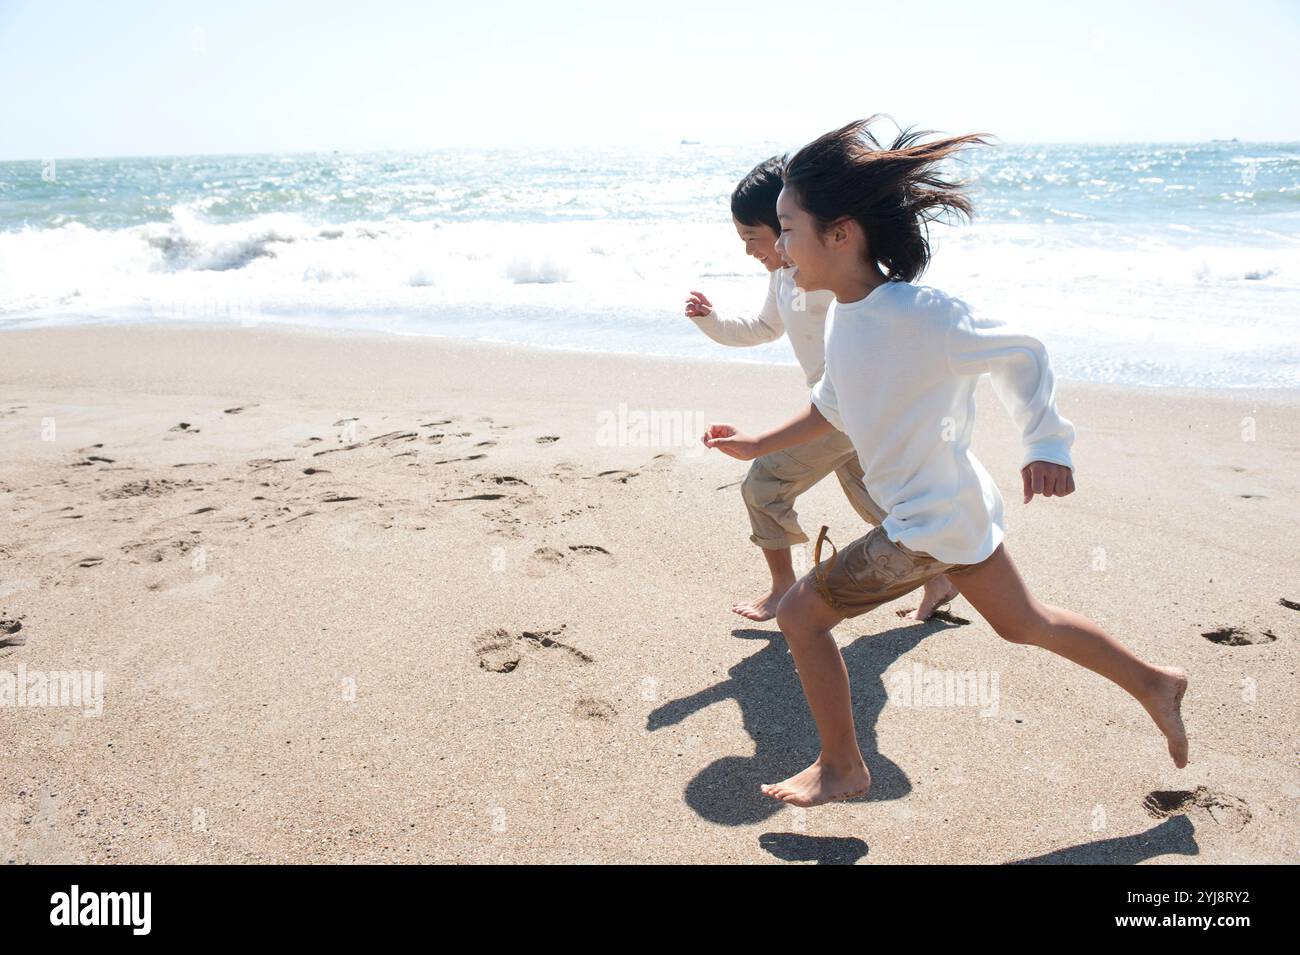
1282, 395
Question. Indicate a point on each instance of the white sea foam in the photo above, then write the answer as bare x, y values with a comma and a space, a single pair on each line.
1172, 273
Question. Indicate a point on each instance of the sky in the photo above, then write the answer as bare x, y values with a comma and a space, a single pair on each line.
130, 78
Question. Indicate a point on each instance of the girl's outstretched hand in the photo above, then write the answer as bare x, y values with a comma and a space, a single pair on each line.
729, 441
697, 306
1047, 479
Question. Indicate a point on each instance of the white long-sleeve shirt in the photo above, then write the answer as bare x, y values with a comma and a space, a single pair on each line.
901, 370
788, 310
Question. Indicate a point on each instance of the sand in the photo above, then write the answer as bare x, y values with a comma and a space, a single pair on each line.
373, 599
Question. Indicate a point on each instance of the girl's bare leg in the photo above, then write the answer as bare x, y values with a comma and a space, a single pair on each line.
839, 772
996, 590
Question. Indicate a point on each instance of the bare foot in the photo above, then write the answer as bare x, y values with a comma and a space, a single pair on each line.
764, 608
938, 591
1164, 704
820, 784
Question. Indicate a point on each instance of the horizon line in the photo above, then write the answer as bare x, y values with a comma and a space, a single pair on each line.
629, 145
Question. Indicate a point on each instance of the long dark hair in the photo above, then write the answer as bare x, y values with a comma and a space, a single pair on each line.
894, 193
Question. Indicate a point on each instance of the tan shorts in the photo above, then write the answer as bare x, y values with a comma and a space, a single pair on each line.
871, 571
776, 479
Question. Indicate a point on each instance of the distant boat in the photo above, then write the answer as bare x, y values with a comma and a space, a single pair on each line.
690, 142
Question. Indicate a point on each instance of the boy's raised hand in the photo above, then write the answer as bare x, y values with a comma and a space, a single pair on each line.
1047, 479
729, 441
697, 306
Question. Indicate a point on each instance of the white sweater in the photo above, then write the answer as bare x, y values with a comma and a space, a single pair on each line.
901, 370
789, 310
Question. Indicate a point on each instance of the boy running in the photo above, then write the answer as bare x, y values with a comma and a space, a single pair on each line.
775, 480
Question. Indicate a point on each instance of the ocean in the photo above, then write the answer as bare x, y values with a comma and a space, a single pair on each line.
1152, 264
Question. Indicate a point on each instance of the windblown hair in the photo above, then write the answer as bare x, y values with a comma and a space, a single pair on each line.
753, 202
893, 193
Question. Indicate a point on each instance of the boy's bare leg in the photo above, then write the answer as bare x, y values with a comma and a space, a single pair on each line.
996, 590
938, 591
781, 567
839, 772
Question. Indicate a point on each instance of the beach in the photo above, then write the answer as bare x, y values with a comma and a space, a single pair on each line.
375, 598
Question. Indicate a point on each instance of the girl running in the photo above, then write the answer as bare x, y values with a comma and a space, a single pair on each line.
902, 363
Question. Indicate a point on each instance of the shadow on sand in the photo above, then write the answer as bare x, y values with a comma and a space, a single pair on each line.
773, 711
775, 714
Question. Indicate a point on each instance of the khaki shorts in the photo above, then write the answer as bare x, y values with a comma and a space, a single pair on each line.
871, 571
776, 479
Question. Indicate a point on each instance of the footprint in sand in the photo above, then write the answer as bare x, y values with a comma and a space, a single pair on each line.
239, 410
147, 487
660, 462
498, 651
1228, 811
346, 447
9, 627
393, 437
261, 464
594, 708
308, 442
587, 552
502, 651
621, 476
184, 426
588, 549
1289, 604
90, 562
158, 550
543, 561
1237, 637
547, 439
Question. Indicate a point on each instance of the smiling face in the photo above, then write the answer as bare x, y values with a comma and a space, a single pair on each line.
801, 244
760, 242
